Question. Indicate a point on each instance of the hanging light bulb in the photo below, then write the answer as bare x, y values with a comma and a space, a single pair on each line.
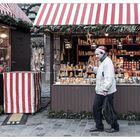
94, 45
3, 35
106, 34
120, 46
68, 45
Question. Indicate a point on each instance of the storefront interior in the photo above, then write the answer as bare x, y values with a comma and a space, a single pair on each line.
5, 49
74, 52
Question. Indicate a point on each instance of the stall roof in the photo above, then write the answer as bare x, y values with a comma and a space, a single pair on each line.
88, 14
14, 11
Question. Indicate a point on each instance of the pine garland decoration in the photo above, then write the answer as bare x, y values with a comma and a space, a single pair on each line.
18, 23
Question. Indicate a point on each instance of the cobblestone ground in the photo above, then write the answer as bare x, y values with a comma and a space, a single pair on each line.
40, 125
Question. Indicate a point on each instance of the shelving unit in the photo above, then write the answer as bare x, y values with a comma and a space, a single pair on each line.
127, 57
83, 53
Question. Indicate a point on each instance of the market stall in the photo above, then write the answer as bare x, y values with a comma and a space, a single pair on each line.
14, 43
75, 35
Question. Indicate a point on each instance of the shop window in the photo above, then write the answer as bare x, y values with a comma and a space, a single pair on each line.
5, 49
76, 54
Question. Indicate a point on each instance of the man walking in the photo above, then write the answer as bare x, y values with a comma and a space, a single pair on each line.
105, 86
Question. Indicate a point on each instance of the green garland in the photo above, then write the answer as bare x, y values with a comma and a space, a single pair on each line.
18, 23
130, 116
94, 29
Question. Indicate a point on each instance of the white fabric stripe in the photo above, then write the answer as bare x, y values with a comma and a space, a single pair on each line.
38, 15
20, 92
65, 14
8, 94
124, 14
94, 13
108, 20
132, 14
116, 18
32, 94
26, 93
59, 13
51, 14
101, 16
87, 14
73, 14
139, 13
44, 14
14, 93
80, 14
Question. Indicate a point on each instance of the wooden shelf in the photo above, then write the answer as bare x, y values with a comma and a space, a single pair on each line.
127, 55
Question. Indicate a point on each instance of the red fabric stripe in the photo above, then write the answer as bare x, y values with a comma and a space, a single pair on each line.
136, 13
40, 79
105, 14
35, 92
41, 14
5, 93
62, 14
23, 92
38, 90
17, 92
76, 14
120, 13
83, 14
90, 14
55, 13
29, 91
98, 14
69, 14
48, 14
113, 14
11, 92
128, 14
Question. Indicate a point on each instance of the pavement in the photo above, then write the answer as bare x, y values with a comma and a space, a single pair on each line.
39, 125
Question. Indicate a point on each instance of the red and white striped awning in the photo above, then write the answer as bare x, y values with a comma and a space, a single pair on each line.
14, 11
19, 14
6, 10
88, 14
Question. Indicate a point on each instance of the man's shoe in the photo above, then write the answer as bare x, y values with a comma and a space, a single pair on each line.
111, 130
96, 130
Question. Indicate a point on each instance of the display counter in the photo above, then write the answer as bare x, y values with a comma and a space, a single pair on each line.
22, 92
77, 98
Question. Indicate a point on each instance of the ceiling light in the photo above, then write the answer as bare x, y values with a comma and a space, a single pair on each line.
3, 35
106, 34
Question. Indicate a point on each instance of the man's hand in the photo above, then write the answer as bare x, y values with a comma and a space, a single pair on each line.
105, 93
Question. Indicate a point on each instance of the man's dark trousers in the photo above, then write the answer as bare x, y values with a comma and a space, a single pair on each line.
97, 110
